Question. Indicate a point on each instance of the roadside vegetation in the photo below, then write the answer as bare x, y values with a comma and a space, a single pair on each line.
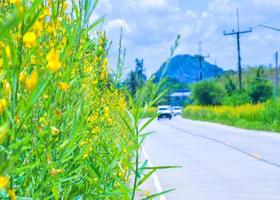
263, 116
61, 136
253, 107
68, 128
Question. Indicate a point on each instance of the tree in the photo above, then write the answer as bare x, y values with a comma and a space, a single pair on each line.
131, 83
260, 89
208, 93
136, 78
139, 69
229, 85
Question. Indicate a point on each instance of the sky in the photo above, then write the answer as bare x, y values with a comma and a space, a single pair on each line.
151, 26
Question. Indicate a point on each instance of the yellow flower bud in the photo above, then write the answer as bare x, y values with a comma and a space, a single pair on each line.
31, 80
63, 86
55, 172
12, 194
8, 52
16, 2
55, 131
29, 39
53, 61
4, 182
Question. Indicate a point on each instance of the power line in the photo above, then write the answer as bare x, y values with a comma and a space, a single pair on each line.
238, 34
269, 27
268, 20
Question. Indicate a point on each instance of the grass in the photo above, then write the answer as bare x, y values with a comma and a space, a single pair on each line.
256, 117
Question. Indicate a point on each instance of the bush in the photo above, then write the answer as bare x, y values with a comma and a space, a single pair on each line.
260, 89
208, 93
239, 97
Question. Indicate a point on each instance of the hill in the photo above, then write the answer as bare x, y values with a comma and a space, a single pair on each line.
185, 69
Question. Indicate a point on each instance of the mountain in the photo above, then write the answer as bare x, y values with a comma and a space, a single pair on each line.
185, 69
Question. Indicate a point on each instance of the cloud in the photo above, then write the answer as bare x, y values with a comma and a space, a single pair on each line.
150, 27
269, 3
118, 24
147, 4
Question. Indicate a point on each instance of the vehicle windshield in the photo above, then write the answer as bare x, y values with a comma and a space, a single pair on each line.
163, 109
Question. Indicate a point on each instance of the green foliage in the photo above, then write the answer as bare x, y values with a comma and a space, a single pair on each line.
260, 89
265, 116
238, 97
171, 85
208, 93
229, 85
136, 78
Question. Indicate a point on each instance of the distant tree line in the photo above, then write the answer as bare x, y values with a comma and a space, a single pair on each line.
224, 91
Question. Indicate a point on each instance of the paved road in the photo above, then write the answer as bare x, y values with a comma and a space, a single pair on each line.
218, 162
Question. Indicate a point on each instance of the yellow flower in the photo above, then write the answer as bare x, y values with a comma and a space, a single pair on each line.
3, 133
16, 2
12, 194
38, 27
55, 131
33, 60
51, 28
29, 39
65, 5
1, 62
55, 172
4, 182
31, 80
63, 86
147, 193
103, 75
53, 61
47, 12
110, 121
107, 112
88, 151
22, 76
6, 86
105, 63
8, 52
100, 41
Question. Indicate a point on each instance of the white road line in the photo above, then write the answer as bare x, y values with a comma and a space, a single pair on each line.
154, 176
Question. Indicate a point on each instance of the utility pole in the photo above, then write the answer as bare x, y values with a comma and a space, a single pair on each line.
201, 58
276, 75
238, 33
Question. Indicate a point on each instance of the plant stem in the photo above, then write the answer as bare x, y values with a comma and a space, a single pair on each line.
136, 165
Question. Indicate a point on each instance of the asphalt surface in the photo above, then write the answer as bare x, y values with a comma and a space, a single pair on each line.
218, 162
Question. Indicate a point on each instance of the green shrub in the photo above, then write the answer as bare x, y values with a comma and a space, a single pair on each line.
238, 97
260, 89
208, 93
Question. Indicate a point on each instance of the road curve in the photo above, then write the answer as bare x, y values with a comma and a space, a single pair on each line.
218, 162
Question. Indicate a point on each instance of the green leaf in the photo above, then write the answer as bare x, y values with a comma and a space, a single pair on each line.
162, 167
148, 123
146, 177
158, 194
10, 23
